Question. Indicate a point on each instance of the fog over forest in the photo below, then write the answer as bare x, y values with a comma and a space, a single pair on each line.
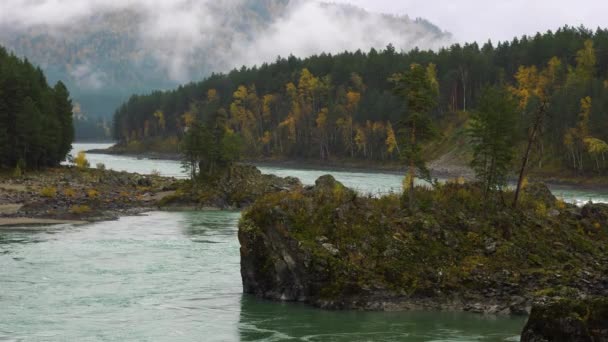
190, 35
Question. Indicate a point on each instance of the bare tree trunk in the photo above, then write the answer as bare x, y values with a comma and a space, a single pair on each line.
464, 75
526, 159
573, 158
412, 171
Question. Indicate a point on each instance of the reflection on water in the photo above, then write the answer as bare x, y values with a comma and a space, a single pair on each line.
268, 321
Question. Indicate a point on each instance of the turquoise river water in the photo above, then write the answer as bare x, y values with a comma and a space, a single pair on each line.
174, 276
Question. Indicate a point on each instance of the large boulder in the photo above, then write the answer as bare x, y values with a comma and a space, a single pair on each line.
568, 320
595, 212
273, 265
540, 192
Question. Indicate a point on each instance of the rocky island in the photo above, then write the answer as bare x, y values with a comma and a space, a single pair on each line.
70, 194
330, 247
80, 195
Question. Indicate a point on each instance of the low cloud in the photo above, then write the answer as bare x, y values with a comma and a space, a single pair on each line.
312, 28
190, 37
86, 77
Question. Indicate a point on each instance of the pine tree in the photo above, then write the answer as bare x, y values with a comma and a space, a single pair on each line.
4, 136
63, 110
420, 93
36, 128
493, 132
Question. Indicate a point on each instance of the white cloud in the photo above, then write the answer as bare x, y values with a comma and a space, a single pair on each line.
88, 78
178, 32
311, 27
481, 20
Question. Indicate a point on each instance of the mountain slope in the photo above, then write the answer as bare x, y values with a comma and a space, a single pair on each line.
105, 53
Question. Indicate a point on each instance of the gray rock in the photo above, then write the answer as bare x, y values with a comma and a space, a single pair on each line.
595, 211
490, 246
331, 249
568, 320
540, 192
321, 239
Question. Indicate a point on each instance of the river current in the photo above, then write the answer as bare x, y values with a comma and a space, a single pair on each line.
174, 276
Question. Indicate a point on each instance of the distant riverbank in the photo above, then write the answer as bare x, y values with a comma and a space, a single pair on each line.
442, 168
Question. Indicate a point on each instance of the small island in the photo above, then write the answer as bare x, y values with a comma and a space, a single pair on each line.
333, 248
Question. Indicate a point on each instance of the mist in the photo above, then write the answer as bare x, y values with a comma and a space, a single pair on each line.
191, 38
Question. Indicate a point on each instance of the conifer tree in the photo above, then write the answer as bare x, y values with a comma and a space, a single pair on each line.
493, 133
420, 93
36, 127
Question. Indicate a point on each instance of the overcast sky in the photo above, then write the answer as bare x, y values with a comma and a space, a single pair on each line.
480, 20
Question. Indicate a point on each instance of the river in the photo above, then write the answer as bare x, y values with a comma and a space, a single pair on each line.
174, 276
365, 182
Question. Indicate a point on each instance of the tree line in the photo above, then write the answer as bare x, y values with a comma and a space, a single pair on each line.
35, 119
345, 105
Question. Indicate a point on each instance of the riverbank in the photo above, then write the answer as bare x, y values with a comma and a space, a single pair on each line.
441, 168
448, 166
73, 195
329, 247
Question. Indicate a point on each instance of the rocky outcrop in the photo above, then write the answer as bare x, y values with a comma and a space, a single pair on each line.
595, 212
328, 246
540, 193
68, 193
234, 188
275, 265
567, 320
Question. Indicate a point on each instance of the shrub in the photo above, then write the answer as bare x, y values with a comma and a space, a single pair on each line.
19, 168
541, 209
92, 193
17, 172
81, 160
101, 166
80, 209
155, 173
69, 192
49, 192
560, 204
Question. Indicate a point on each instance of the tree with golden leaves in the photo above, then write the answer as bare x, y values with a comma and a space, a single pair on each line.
322, 133
160, 117
391, 139
534, 89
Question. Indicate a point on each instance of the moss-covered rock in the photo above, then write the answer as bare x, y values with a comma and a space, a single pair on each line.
540, 193
328, 246
69, 193
236, 187
568, 320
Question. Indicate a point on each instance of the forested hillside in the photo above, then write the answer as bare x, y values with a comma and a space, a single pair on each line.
35, 119
116, 49
343, 106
